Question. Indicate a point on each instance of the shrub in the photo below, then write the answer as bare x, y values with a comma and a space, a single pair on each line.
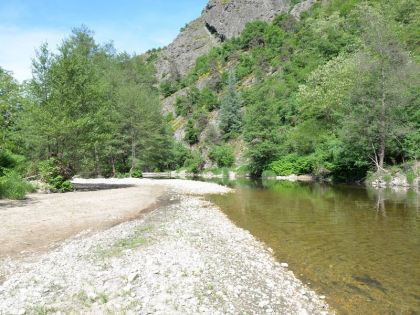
168, 87
222, 155
137, 173
292, 164
387, 178
410, 176
13, 186
191, 133
194, 163
9, 161
56, 174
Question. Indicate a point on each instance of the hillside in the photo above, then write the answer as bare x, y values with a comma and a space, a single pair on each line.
272, 88
220, 21
302, 73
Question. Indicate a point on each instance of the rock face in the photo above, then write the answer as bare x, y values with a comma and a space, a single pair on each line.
302, 7
220, 20
179, 57
227, 18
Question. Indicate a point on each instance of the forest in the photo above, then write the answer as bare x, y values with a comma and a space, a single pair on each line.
334, 94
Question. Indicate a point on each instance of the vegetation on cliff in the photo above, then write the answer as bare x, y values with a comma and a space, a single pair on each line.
333, 94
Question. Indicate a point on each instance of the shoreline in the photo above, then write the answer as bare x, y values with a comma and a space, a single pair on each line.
185, 257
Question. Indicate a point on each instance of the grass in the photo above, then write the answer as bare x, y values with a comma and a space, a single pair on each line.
83, 298
43, 310
13, 186
122, 245
410, 176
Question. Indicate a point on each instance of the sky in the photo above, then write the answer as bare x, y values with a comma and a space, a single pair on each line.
133, 26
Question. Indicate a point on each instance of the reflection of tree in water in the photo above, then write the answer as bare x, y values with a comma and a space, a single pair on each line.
380, 202
395, 197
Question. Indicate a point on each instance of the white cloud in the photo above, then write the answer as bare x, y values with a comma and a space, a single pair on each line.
18, 48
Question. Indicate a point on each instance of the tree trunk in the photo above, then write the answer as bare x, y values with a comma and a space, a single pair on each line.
382, 131
114, 173
98, 170
133, 154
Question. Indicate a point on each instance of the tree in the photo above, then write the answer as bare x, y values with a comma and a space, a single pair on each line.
262, 128
230, 110
11, 103
383, 91
191, 133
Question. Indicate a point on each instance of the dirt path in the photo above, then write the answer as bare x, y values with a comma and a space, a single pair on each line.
43, 220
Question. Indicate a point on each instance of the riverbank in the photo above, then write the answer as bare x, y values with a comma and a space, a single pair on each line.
43, 220
185, 257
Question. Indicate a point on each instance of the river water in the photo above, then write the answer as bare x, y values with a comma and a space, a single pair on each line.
359, 247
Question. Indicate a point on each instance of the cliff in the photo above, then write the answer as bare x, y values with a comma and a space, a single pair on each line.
220, 20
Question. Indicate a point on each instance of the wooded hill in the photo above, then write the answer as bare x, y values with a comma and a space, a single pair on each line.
332, 92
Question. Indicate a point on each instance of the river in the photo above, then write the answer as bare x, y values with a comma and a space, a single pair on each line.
359, 247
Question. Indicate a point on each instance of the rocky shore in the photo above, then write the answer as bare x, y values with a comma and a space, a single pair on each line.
185, 257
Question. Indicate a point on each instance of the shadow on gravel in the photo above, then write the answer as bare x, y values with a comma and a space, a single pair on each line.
96, 187
6, 203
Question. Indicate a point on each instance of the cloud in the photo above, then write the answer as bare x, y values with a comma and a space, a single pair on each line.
18, 47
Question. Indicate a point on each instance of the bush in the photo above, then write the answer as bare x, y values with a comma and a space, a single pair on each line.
136, 174
194, 163
292, 164
13, 186
410, 176
56, 174
191, 133
168, 87
9, 161
222, 155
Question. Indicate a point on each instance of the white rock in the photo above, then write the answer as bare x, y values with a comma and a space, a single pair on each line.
132, 276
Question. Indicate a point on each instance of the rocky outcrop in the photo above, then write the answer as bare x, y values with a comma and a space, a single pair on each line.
227, 18
220, 20
302, 7
179, 57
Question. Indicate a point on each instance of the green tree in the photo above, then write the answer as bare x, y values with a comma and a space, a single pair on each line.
230, 110
384, 91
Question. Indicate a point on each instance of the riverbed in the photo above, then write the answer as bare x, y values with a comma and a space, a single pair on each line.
358, 246
183, 257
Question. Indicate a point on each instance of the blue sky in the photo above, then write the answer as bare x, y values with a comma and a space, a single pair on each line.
133, 25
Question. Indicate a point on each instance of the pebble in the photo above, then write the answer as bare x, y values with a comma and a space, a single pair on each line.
193, 273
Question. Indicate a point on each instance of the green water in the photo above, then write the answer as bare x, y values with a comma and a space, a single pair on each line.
359, 247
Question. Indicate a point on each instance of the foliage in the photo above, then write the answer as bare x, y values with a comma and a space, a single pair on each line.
337, 90
168, 87
222, 155
191, 133
13, 186
292, 164
136, 173
194, 163
55, 173
230, 110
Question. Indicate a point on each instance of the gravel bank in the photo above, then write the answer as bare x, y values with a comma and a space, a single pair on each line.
183, 258
177, 185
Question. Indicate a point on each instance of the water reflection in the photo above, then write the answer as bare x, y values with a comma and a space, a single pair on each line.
357, 245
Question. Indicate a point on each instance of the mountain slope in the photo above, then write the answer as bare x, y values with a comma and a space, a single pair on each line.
220, 20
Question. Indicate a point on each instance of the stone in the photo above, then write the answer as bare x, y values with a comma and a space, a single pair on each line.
132, 276
284, 265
